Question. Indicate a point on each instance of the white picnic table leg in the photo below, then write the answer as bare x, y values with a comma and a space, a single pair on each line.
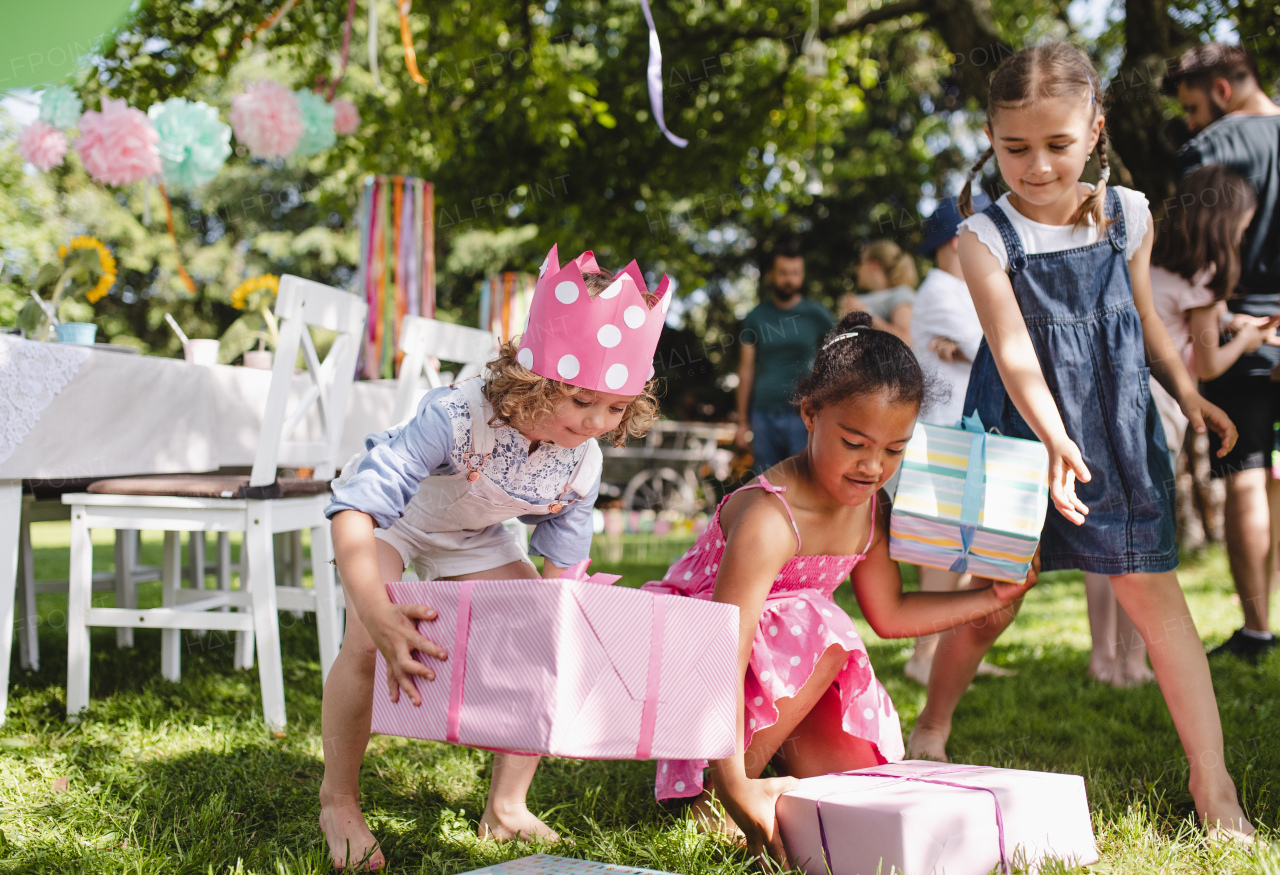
28, 618
10, 523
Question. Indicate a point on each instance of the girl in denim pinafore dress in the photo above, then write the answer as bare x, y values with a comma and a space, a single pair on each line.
1079, 311
1072, 327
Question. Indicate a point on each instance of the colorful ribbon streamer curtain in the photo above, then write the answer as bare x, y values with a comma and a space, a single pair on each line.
504, 303
397, 264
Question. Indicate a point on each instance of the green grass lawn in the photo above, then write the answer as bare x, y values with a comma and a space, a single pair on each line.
184, 778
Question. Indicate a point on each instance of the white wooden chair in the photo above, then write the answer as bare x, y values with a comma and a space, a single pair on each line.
259, 506
123, 579
427, 342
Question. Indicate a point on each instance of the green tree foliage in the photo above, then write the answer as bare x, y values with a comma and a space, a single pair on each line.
535, 128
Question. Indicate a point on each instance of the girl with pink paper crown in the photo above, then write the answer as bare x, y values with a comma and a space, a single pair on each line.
521, 443
778, 548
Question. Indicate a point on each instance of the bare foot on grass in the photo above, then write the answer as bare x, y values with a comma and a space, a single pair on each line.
918, 670
351, 844
1102, 669
928, 744
514, 822
990, 669
1132, 673
1221, 815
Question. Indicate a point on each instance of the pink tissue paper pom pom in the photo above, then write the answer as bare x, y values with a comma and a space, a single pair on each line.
346, 117
118, 145
42, 144
266, 118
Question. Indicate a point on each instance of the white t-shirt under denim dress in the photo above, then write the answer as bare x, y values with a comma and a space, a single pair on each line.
440, 486
1055, 238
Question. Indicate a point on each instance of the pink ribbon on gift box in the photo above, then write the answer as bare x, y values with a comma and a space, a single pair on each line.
577, 572
926, 778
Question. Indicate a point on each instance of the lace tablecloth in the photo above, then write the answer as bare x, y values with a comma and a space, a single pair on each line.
31, 374
92, 413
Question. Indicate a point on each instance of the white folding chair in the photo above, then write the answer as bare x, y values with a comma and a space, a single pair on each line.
427, 342
259, 506
423, 339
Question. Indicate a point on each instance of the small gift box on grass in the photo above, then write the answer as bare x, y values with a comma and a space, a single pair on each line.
570, 667
969, 501
545, 864
927, 818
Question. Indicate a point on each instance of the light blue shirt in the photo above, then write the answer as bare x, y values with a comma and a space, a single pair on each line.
432, 444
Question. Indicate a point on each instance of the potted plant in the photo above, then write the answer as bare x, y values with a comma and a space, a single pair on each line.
255, 334
85, 265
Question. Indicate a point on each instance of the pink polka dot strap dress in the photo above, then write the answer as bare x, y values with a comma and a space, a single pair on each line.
797, 625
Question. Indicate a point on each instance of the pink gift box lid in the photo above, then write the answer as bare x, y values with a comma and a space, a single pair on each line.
873, 818
545, 864
571, 668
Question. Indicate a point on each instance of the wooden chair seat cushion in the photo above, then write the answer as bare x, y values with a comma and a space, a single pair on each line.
53, 490
207, 486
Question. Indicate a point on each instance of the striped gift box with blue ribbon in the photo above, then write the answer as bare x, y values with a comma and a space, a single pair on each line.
970, 501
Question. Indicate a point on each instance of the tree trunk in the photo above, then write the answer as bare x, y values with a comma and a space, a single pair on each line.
1135, 118
970, 33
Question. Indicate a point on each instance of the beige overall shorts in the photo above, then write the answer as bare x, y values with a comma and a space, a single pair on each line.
453, 525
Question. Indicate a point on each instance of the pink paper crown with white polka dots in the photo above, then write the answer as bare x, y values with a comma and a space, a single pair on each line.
605, 343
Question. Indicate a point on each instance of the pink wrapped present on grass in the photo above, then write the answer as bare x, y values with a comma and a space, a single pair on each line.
570, 667
927, 818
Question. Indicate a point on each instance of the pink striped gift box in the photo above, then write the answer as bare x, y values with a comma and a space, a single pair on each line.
926, 818
571, 668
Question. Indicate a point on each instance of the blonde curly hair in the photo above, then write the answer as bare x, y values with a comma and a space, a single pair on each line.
524, 400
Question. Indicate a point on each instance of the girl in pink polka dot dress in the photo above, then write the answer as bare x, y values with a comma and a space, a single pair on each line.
778, 548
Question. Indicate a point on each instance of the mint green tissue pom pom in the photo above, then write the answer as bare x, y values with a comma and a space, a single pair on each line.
60, 106
317, 124
194, 143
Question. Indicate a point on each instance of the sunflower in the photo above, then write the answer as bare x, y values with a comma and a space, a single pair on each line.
249, 286
106, 261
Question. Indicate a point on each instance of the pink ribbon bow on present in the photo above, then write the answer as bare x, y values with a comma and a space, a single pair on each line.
578, 571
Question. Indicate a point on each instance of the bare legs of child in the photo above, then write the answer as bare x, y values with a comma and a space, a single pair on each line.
917, 667
807, 739
1119, 655
1159, 611
960, 652
346, 712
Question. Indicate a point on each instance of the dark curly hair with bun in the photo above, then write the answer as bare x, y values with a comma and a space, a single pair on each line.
867, 363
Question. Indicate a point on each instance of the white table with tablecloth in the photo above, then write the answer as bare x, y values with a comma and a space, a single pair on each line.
70, 413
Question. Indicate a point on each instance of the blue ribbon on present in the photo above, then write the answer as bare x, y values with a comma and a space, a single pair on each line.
974, 481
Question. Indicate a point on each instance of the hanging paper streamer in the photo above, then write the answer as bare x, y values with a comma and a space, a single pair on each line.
406, 37
397, 264
504, 303
373, 44
346, 54
177, 250
655, 78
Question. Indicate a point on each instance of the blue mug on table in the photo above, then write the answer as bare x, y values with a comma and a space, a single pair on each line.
76, 332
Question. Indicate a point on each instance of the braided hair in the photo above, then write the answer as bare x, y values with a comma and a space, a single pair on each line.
1052, 69
857, 359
